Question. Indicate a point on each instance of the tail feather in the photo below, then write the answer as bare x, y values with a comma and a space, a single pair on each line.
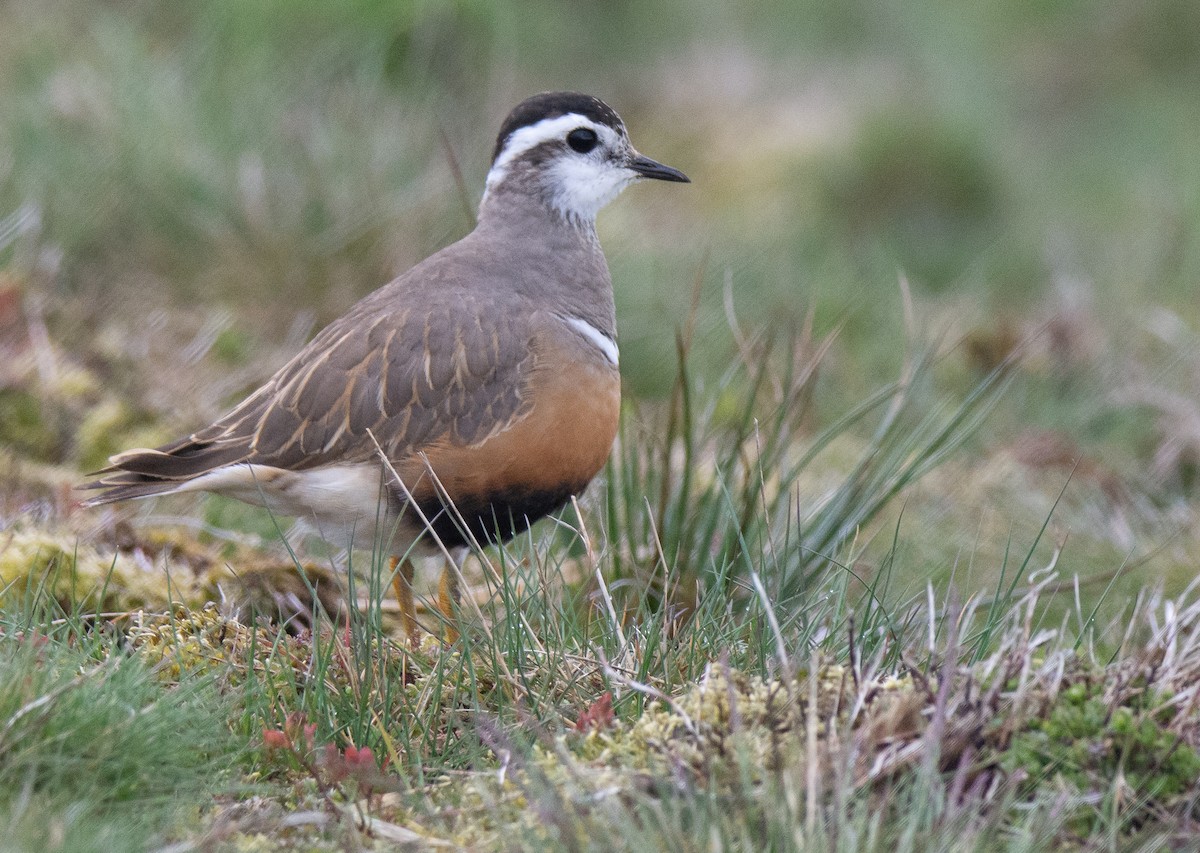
126, 492
177, 463
146, 472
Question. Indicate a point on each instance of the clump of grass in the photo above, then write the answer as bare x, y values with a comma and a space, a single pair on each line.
738, 494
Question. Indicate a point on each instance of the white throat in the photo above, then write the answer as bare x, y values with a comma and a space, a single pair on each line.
580, 189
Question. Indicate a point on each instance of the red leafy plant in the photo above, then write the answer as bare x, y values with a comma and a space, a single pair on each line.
328, 766
599, 715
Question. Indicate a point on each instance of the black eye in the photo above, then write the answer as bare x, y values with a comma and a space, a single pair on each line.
582, 139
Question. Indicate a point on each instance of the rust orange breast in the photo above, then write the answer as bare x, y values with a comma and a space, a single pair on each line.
506, 482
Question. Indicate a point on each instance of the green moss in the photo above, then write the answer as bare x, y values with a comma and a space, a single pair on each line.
110, 427
25, 426
1091, 746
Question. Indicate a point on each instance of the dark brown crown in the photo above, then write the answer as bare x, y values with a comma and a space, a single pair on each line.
551, 105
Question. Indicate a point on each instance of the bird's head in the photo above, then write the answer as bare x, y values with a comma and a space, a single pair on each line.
570, 152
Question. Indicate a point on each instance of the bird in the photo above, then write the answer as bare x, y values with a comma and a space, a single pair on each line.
459, 403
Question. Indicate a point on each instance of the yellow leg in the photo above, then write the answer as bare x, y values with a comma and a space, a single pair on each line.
402, 581
448, 600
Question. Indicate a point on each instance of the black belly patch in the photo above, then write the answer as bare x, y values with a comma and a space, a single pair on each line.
496, 517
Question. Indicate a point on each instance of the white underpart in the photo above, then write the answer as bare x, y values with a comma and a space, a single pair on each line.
579, 184
342, 503
601, 341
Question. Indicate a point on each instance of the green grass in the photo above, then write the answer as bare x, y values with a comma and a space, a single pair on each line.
98, 753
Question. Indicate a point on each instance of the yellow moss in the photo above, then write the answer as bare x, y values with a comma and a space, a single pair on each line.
726, 714
75, 573
155, 567
727, 725
204, 640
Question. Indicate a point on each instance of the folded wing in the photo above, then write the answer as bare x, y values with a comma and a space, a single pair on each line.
456, 373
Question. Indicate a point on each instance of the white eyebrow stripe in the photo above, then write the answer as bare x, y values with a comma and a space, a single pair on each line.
533, 135
598, 339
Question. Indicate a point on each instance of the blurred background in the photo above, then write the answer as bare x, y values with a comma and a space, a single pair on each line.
189, 190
